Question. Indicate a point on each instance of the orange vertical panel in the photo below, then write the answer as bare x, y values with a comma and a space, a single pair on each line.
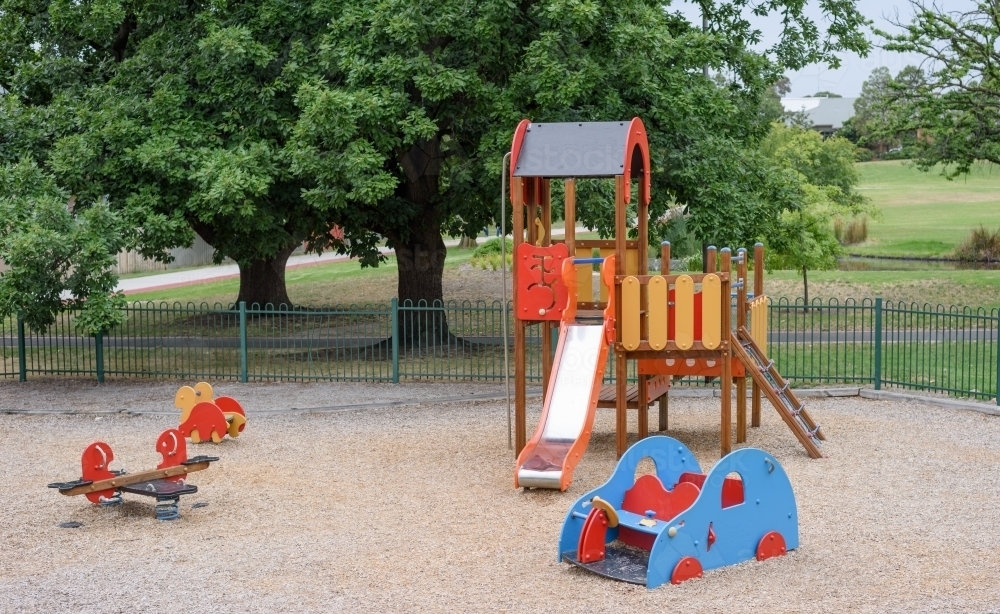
684, 312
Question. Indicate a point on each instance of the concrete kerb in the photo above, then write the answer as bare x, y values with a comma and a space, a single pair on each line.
884, 395
678, 393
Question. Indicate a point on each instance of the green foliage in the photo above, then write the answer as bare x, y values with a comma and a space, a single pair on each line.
54, 252
492, 246
488, 256
826, 177
951, 107
260, 125
825, 163
982, 245
876, 122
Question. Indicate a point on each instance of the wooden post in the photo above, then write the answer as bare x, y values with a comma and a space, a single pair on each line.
642, 388
569, 191
621, 363
531, 210
727, 365
741, 320
544, 196
758, 290
664, 270
520, 392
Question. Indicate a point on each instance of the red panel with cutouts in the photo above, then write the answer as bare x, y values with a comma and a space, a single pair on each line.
540, 293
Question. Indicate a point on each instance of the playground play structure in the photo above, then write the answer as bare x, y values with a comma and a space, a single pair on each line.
672, 325
104, 486
636, 530
206, 418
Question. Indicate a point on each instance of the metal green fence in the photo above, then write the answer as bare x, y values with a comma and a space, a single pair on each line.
949, 350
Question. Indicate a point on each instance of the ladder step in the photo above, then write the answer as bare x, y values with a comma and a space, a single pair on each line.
813, 432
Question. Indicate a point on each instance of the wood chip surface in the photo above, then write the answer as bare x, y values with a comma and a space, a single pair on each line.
412, 509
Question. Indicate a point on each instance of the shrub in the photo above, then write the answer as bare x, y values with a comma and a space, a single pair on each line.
852, 232
862, 154
492, 247
487, 255
981, 245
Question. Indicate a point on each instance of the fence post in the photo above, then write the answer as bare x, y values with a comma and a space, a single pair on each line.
395, 340
878, 343
22, 358
996, 340
99, 355
243, 342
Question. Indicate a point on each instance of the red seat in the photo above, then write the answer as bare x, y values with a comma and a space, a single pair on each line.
648, 493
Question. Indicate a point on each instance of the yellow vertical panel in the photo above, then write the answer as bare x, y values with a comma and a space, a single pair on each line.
631, 321
656, 294
755, 321
684, 312
605, 252
632, 262
584, 277
711, 311
761, 329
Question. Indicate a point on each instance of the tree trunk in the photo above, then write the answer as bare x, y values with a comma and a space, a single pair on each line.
422, 320
262, 282
805, 289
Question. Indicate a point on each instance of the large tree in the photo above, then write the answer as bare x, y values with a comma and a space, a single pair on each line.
179, 113
823, 185
953, 104
260, 124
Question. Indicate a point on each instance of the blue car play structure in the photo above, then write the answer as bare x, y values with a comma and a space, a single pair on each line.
678, 522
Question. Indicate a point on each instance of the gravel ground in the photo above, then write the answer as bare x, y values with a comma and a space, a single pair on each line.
413, 508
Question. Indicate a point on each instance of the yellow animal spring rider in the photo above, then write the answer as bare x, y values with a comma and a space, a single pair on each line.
204, 417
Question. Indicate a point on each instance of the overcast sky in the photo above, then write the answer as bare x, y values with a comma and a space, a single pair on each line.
853, 71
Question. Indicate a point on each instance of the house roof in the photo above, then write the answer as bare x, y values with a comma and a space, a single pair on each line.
832, 112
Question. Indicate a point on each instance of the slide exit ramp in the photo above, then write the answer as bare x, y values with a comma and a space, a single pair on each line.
548, 460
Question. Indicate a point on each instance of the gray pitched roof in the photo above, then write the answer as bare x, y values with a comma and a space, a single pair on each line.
832, 112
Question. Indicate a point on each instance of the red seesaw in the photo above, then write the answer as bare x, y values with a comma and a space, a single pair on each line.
104, 486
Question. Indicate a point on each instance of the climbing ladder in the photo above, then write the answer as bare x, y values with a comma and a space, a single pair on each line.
764, 373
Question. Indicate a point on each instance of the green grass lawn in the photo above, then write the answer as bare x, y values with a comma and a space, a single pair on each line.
945, 287
924, 214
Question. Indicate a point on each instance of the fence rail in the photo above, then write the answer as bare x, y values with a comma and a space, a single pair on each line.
867, 343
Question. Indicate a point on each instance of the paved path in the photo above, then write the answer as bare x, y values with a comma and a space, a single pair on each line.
177, 279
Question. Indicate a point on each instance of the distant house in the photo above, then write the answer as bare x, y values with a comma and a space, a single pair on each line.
826, 115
